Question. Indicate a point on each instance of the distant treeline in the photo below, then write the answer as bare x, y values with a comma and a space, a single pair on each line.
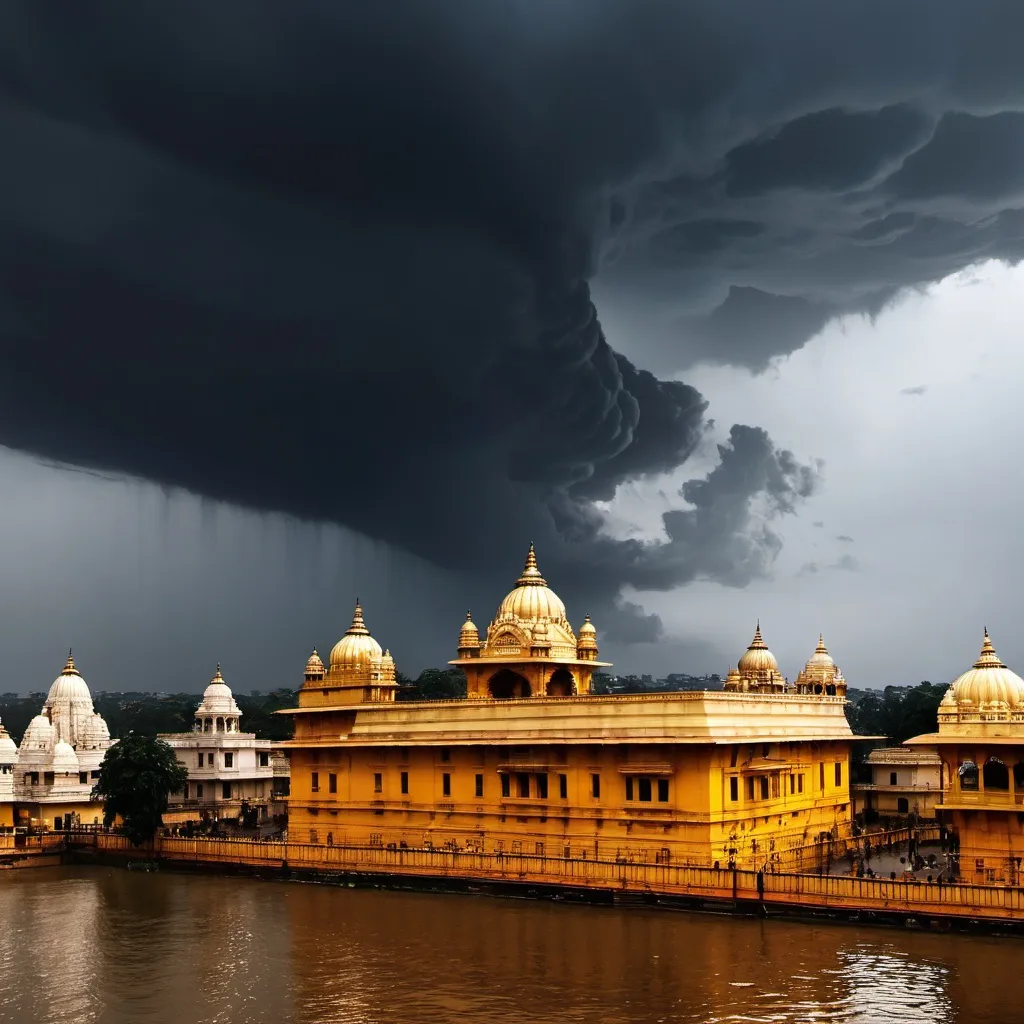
897, 712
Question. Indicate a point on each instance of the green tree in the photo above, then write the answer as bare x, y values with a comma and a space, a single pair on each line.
136, 778
434, 684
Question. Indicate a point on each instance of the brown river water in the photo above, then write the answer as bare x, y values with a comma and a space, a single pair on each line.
105, 945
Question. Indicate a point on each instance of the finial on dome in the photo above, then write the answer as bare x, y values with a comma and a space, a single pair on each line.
217, 677
988, 656
821, 648
69, 665
358, 627
758, 641
531, 573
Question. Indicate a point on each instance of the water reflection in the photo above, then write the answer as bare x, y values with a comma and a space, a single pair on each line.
116, 947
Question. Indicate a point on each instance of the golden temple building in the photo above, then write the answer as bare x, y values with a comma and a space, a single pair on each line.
980, 741
532, 761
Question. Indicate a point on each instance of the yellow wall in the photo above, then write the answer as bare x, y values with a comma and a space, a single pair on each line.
699, 822
987, 820
6, 815
44, 815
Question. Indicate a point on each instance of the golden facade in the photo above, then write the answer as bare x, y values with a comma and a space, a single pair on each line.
980, 741
533, 762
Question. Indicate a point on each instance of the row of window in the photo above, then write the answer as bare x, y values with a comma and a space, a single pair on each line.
210, 759
769, 787
527, 785
32, 778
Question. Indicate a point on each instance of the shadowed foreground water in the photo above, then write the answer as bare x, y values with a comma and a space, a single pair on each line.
79, 946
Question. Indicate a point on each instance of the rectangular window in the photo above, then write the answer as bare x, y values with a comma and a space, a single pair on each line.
792, 784
229, 760
629, 788
332, 783
200, 759
734, 788
313, 837
764, 787
542, 787
446, 754
199, 791
506, 785
446, 784
405, 783
750, 787
662, 791
775, 787
523, 784
225, 790
315, 782
839, 773
595, 785
378, 782
264, 759
644, 790
800, 783
479, 791
821, 776
563, 787
83, 778
892, 778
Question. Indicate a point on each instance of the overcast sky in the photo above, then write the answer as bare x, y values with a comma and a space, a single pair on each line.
626, 280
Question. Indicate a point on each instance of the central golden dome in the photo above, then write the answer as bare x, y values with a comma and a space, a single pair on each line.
356, 649
988, 680
757, 658
532, 600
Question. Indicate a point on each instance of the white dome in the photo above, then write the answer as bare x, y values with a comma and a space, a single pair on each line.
95, 732
8, 748
65, 760
38, 735
217, 698
69, 686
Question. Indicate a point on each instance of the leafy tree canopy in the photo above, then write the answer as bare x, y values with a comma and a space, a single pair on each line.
136, 777
897, 712
434, 684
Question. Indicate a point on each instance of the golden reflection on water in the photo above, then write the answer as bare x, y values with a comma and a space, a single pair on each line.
86, 946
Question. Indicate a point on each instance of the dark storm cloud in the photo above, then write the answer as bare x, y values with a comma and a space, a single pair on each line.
336, 260
917, 389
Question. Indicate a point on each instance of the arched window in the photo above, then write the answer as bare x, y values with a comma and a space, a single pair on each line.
561, 683
506, 684
968, 772
995, 774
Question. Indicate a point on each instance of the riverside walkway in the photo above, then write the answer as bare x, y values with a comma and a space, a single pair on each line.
725, 890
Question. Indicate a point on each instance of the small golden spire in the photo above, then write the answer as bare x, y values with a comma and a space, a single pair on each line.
69, 665
531, 574
821, 648
217, 677
758, 642
358, 627
988, 657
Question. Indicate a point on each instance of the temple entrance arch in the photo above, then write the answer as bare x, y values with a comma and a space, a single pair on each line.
561, 683
506, 684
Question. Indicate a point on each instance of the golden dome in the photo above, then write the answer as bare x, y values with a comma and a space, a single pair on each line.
532, 599
587, 636
315, 666
469, 635
820, 659
757, 658
587, 629
356, 648
988, 680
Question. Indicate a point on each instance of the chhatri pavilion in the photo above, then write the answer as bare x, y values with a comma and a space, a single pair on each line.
532, 761
980, 741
